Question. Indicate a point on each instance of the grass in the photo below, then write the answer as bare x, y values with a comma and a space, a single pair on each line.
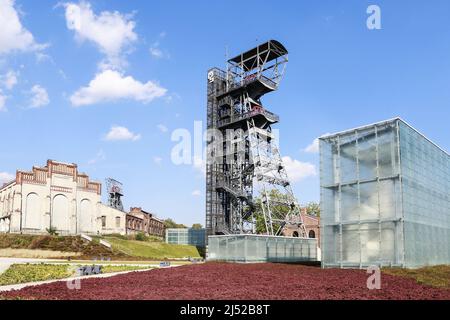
123, 248
110, 269
152, 250
24, 273
68, 244
435, 276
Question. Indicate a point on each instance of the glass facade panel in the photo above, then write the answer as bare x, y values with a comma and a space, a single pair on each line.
426, 194
397, 209
347, 161
367, 155
369, 198
188, 236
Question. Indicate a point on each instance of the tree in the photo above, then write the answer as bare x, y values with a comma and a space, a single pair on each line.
277, 210
313, 209
169, 223
197, 226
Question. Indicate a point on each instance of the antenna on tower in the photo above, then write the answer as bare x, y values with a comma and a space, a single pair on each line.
115, 193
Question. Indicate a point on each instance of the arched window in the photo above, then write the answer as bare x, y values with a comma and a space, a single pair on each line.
32, 219
312, 234
295, 234
86, 214
60, 213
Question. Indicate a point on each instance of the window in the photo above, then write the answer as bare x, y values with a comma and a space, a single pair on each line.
117, 222
312, 234
295, 234
103, 221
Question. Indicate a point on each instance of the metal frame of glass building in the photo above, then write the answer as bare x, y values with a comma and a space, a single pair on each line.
190, 236
385, 198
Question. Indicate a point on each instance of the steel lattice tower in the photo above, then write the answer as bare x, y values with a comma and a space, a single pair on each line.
243, 159
115, 193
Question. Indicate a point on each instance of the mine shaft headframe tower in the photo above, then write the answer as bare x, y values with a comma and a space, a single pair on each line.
242, 154
115, 193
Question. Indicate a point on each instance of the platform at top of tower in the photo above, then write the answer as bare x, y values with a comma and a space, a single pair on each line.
249, 59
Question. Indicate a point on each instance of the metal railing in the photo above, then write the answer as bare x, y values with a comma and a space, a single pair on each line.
270, 115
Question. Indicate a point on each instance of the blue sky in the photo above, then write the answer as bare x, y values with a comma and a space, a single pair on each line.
70, 72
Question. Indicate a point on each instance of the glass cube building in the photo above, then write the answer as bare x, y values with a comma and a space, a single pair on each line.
385, 198
250, 248
194, 237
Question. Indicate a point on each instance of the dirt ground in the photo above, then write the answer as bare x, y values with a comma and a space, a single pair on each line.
218, 281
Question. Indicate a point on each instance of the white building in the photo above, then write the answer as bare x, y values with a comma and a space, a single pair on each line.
56, 196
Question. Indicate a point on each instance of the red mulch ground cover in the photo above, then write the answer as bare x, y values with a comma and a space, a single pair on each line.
216, 281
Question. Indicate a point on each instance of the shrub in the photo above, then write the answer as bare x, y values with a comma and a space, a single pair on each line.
140, 236
52, 231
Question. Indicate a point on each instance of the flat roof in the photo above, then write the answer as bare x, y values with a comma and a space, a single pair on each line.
257, 236
275, 48
333, 135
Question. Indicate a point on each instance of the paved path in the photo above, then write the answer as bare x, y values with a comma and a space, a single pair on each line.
10, 261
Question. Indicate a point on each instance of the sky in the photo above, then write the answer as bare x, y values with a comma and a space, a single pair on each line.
104, 84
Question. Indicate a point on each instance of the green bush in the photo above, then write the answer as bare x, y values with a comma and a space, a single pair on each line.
52, 231
140, 236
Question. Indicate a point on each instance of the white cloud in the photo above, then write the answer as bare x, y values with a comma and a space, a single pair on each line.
196, 193
39, 97
156, 52
121, 133
157, 160
2, 102
13, 36
100, 156
6, 177
112, 32
298, 170
162, 128
9, 80
314, 146
111, 85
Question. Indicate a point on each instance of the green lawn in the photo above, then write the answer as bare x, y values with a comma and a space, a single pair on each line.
152, 250
436, 276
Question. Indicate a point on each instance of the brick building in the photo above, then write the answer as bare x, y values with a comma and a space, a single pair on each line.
139, 220
312, 225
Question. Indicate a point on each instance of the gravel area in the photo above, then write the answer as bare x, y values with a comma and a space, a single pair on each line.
218, 281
